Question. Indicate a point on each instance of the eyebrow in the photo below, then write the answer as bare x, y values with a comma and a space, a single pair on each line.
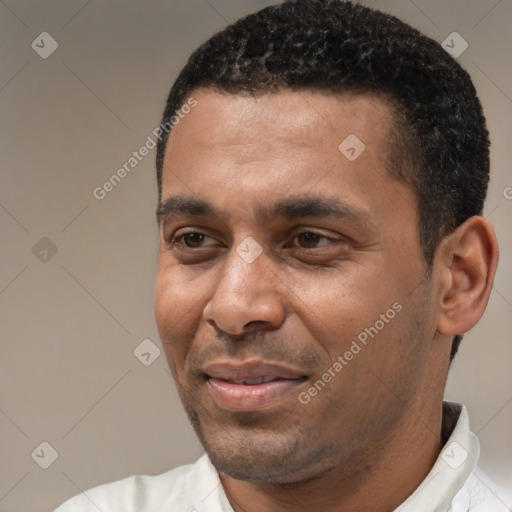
294, 207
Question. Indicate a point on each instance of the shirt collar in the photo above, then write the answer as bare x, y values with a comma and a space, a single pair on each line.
439, 492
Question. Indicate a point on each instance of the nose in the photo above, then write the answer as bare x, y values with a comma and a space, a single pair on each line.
246, 297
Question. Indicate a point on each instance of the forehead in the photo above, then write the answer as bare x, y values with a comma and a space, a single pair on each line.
286, 118
241, 150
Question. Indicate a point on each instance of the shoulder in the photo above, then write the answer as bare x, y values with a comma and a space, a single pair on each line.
140, 493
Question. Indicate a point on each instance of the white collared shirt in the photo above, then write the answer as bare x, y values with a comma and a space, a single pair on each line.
454, 484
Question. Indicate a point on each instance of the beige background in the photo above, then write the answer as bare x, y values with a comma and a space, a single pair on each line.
69, 326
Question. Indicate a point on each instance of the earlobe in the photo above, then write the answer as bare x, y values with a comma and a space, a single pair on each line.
466, 261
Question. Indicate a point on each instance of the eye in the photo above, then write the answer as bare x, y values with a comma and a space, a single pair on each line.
310, 240
192, 239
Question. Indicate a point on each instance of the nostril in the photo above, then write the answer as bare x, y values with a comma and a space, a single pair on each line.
254, 324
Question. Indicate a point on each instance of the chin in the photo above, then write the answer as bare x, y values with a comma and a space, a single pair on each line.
256, 448
268, 470
265, 457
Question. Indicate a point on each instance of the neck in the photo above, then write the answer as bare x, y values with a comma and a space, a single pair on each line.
382, 480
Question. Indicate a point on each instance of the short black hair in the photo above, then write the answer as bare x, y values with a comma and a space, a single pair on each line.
439, 143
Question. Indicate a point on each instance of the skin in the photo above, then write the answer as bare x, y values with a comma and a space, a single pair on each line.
371, 435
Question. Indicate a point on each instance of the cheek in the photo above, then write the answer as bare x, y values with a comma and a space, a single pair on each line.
339, 304
179, 302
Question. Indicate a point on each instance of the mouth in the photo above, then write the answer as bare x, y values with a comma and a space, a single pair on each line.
251, 386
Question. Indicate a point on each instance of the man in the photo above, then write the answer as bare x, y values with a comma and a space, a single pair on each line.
322, 250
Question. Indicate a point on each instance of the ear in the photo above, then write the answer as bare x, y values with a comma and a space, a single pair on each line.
466, 266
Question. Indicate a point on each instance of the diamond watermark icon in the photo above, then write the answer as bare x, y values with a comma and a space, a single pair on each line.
454, 455
455, 45
352, 147
147, 352
45, 455
44, 250
44, 45
249, 249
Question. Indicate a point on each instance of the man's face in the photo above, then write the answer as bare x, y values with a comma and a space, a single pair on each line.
324, 286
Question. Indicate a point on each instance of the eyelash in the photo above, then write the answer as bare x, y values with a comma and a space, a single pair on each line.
178, 240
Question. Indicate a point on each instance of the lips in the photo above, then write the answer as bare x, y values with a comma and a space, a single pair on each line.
257, 380
252, 385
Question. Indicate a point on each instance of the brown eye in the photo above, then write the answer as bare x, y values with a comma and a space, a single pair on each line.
310, 240
193, 239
